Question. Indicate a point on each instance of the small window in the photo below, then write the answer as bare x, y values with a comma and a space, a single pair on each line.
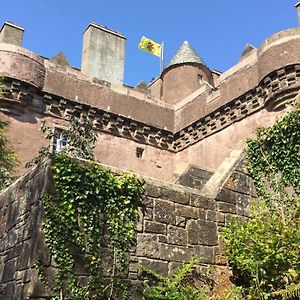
60, 141
139, 152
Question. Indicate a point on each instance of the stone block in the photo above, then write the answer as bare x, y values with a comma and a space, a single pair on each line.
147, 245
154, 227
175, 196
221, 260
148, 213
152, 190
175, 253
220, 217
177, 236
227, 207
205, 254
202, 232
211, 215
7, 291
202, 202
186, 211
158, 266
147, 201
238, 182
162, 238
164, 212
9, 271
25, 257
20, 291
243, 205
227, 196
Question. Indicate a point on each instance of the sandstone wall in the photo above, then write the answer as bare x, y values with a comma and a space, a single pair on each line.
20, 234
176, 223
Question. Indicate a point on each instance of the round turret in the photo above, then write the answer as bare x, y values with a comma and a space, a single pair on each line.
185, 73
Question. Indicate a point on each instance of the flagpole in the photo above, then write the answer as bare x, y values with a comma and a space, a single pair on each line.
162, 57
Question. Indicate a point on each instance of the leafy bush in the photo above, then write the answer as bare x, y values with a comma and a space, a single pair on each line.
177, 286
265, 250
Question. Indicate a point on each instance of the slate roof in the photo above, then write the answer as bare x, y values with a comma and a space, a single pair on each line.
185, 54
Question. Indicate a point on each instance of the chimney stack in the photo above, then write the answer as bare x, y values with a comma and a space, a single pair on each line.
103, 54
298, 11
11, 34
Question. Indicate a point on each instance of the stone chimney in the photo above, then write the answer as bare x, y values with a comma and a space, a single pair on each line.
103, 54
298, 11
11, 34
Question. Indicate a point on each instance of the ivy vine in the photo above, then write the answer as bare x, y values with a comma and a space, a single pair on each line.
274, 161
94, 211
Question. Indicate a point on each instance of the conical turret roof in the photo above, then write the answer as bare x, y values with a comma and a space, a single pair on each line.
185, 54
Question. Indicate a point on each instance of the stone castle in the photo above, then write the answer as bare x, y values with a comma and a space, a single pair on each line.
184, 132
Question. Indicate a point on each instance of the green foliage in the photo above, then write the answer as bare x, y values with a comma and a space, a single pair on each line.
8, 159
274, 162
177, 286
93, 209
265, 250
291, 291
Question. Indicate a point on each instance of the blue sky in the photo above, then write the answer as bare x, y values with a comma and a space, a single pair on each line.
217, 30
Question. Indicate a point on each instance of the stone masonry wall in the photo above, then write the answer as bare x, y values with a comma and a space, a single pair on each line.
20, 224
176, 223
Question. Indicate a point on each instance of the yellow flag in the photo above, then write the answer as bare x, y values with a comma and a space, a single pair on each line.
149, 46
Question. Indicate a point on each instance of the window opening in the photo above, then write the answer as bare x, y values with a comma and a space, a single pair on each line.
139, 152
60, 141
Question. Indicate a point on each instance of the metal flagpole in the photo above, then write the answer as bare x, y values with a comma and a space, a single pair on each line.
162, 58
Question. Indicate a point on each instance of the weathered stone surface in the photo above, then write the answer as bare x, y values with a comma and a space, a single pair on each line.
205, 254
186, 211
159, 266
164, 212
239, 182
227, 207
175, 253
226, 195
202, 202
147, 245
211, 215
152, 190
9, 271
169, 232
202, 232
177, 236
243, 205
175, 195
155, 227
180, 221
195, 178
162, 238
7, 291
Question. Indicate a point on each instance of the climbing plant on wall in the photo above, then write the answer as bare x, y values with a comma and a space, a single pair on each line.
8, 159
93, 216
265, 250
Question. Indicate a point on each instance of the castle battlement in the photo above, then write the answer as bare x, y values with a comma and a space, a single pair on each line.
187, 109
